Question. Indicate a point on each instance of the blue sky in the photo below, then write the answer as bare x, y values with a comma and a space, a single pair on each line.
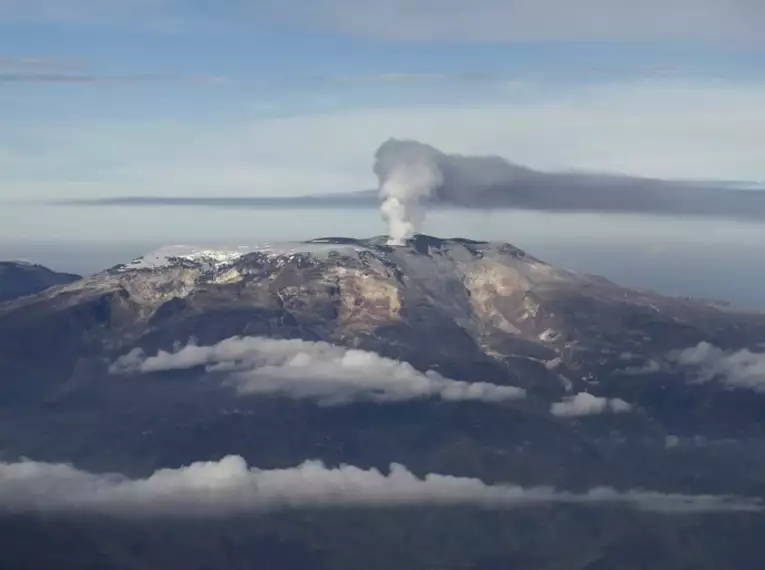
166, 97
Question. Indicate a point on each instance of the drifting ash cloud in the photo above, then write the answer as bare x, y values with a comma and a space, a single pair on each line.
584, 404
230, 486
329, 374
742, 369
413, 176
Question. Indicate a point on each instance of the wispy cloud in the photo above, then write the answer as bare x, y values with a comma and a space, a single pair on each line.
741, 369
533, 20
230, 486
47, 71
82, 79
331, 375
31, 64
584, 404
392, 78
67, 71
519, 74
78, 10
647, 128
433, 20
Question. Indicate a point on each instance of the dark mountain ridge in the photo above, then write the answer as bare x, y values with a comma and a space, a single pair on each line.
18, 279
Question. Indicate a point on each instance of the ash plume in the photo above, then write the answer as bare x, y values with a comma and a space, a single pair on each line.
414, 176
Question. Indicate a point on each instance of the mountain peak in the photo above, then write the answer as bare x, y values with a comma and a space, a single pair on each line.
215, 257
21, 278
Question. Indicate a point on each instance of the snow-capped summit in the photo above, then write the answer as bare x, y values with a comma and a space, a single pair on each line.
206, 256
211, 258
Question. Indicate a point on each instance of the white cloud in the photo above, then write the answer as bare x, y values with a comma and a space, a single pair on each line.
230, 486
331, 375
742, 369
664, 128
584, 404
524, 20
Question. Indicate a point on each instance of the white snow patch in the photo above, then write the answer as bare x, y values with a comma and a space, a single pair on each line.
168, 255
211, 258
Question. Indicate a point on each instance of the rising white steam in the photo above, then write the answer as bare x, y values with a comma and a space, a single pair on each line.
409, 173
230, 486
331, 375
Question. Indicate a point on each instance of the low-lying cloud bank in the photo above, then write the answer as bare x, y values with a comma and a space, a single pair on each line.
742, 369
584, 404
331, 375
230, 486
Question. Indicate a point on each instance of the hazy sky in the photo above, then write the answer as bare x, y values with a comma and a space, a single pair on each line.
252, 97
709, 258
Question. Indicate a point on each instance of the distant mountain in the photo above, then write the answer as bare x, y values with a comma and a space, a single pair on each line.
20, 278
286, 352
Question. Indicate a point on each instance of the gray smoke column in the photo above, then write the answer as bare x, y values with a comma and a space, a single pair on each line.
409, 173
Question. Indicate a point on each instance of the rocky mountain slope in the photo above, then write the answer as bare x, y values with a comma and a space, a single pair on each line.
537, 375
453, 304
18, 279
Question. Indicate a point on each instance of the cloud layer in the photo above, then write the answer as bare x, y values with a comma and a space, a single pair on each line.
80, 79
584, 404
434, 20
230, 486
639, 127
533, 20
742, 369
329, 374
